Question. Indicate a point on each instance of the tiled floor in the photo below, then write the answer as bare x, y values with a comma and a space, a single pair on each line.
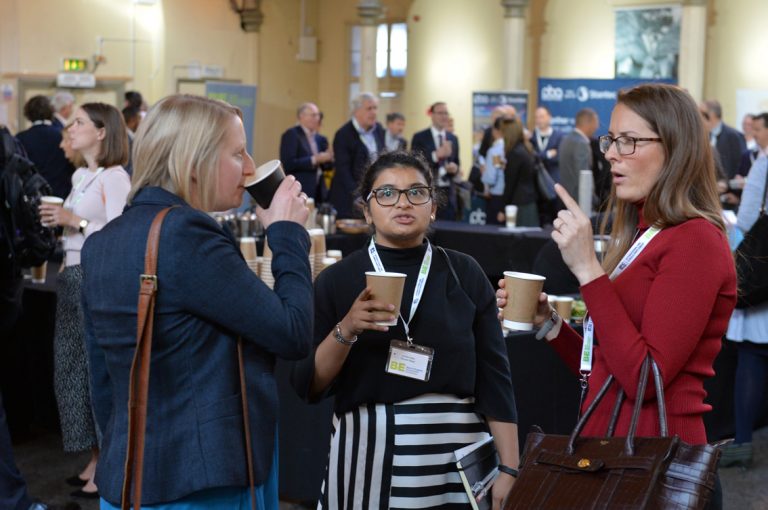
46, 467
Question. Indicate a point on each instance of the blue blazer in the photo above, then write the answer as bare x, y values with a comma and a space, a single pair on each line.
296, 156
42, 145
730, 145
351, 158
423, 142
551, 164
207, 297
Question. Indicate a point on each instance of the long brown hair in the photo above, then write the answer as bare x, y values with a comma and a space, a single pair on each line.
512, 130
687, 185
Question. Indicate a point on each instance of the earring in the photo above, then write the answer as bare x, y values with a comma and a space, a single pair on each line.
432, 217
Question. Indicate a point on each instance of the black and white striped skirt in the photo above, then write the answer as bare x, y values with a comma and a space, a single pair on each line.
400, 455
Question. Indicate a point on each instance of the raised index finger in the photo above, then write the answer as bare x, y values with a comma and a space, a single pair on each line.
568, 200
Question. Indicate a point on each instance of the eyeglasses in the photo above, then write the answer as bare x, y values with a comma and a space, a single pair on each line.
625, 145
388, 197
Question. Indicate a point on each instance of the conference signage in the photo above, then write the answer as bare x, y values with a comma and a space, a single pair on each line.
483, 104
565, 97
242, 96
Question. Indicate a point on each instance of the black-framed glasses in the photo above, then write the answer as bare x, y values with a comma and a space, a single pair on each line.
389, 196
625, 145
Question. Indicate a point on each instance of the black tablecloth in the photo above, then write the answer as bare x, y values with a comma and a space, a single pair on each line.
546, 392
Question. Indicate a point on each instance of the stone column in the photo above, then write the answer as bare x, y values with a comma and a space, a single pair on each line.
369, 12
514, 43
693, 41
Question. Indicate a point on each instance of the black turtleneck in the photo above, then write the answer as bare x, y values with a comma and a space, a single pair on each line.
456, 318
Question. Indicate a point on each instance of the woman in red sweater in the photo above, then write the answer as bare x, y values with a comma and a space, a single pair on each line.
674, 298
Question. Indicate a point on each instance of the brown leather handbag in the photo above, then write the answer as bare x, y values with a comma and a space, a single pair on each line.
139, 379
572, 472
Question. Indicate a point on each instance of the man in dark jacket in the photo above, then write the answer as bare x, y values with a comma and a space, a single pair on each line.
304, 152
356, 144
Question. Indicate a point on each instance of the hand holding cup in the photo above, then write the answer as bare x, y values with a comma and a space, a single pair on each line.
288, 204
365, 315
52, 212
543, 309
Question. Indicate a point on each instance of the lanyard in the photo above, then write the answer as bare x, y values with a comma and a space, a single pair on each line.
420, 281
76, 199
589, 328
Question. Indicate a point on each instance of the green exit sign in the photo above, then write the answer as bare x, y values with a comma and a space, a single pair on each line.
73, 65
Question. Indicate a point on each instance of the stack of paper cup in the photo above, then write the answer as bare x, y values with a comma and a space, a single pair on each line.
265, 266
334, 254
248, 249
312, 218
328, 261
317, 250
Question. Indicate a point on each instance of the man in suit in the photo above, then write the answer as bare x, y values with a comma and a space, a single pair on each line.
394, 136
304, 152
355, 145
575, 150
441, 149
760, 136
41, 143
63, 105
728, 142
546, 140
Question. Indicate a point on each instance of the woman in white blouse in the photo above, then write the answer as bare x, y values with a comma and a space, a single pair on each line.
99, 191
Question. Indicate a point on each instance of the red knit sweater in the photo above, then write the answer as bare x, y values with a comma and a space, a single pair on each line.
673, 301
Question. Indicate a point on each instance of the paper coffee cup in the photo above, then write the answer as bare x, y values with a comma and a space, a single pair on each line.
564, 307
510, 212
47, 199
248, 247
317, 238
523, 291
265, 181
39, 272
336, 254
387, 288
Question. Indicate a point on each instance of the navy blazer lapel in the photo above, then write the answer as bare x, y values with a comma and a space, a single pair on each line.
303, 140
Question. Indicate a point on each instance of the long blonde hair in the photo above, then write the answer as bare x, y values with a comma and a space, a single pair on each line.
687, 185
178, 141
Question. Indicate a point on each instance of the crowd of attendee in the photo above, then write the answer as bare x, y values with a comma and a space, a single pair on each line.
116, 170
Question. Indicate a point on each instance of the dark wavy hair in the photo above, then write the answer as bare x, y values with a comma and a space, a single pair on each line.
38, 108
397, 159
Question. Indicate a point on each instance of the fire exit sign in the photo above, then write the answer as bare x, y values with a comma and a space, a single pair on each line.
74, 65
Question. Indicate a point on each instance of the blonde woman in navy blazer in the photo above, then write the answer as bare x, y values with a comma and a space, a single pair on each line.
190, 152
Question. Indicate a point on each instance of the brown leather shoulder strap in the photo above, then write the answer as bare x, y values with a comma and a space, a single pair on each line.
246, 424
139, 377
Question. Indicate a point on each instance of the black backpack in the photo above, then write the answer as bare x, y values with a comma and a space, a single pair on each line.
23, 238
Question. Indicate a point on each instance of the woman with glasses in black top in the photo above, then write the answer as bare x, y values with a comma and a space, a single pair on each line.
394, 435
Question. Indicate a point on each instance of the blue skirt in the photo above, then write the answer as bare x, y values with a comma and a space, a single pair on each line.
223, 498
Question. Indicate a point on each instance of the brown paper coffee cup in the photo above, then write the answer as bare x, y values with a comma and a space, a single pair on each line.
387, 288
523, 291
248, 248
39, 272
563, 307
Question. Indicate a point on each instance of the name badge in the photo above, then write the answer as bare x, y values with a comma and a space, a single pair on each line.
410, 360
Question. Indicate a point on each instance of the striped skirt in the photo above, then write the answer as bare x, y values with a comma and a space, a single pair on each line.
400, 455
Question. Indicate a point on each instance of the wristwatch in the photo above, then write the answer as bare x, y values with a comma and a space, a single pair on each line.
340, 338
548, 325
81, 226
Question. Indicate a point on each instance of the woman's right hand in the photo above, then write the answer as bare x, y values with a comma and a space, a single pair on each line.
543, 311
364, 314
288, 204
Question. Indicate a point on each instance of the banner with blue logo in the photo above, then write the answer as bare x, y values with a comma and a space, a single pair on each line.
483, 104
565, 97
242, 96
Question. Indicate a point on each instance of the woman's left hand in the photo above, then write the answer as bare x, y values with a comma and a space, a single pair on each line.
500, 489
573, 235
55, 215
